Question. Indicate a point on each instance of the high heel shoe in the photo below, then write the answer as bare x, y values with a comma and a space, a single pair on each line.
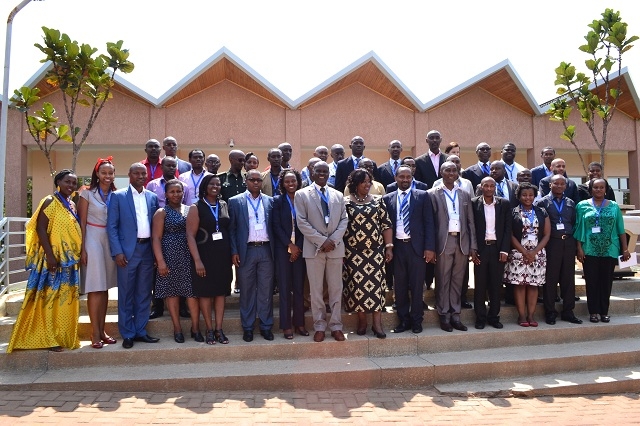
220, 337
198, 337
302, 331
211, 339
362, 329
378, 334
178, 337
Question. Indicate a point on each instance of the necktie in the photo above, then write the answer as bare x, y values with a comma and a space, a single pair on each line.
500, 191
395, 166
325, 206
404, 213
356, 162
485, 169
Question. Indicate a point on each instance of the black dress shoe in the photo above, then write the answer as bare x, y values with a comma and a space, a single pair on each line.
178, 337
551, 321
458, 325
146, 339
247, 336
184, 313
496, 324
127, 343
445, 326
479, 325
267, 334
155, 314
467, 305
605, 318
417, 329
572, 319
402, 327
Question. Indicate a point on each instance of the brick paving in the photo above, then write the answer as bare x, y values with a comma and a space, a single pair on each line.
380, 406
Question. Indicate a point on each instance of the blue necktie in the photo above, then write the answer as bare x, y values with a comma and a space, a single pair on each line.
404, 213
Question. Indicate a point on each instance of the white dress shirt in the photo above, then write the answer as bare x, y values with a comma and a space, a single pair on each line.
142, 212
259, 234
400, 234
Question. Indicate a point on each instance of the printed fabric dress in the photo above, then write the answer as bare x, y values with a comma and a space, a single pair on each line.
364, 266
517, 272
49, 313
175, 252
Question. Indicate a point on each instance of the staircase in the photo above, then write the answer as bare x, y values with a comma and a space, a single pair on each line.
547, 360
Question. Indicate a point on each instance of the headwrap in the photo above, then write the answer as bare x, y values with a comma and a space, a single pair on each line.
102, 161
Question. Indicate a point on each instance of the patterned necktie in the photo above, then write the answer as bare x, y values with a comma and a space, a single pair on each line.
485, 169
325, 206
500, 191
356, 162
404, 213
395, 166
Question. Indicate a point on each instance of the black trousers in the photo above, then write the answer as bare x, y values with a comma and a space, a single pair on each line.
561, 269
488, 282
598, 277
409, 272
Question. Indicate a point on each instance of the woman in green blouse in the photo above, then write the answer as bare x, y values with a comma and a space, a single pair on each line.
601, 239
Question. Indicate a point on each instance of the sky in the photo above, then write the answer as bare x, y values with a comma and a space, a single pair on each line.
430, 46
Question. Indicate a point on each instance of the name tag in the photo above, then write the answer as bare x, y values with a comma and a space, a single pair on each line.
560, 226
259, 226
216, 236
595, 230
454, 216
326, 220
532, 237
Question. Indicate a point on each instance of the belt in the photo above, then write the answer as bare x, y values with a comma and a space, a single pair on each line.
143, 240
490, 242
257, 243
96, 225
404, 240
562, 237
455, 234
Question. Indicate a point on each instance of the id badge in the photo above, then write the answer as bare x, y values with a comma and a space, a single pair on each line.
326, 220
531, 237
216, 236
560, 226
595, 230
454, 216
259, 226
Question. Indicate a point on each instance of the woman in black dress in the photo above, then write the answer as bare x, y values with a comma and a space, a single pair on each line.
210, 247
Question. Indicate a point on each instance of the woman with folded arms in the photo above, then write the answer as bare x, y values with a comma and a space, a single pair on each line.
600, 236
98, 269
210, 247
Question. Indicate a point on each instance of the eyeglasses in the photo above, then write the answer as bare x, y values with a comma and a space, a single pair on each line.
254, 180
485, 148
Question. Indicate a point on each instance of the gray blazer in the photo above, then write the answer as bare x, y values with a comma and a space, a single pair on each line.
311, 220
441, 214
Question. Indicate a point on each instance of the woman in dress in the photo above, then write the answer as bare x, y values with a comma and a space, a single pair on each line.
290, 265
97, 268
210, 247
527, 262
169, 241
368, 232
600, 235
49, 314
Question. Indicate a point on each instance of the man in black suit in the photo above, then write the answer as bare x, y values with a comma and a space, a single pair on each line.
387, 171
558, 167
504, 187
492, 217
349, 164
428, 164
548, 154
476, 172
413, 227
415, 184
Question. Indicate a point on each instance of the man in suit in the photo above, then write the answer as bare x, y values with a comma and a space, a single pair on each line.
252, 253
558, 167
510, 164
170, 147
413, 227
129, 218
212, 164
322, 218
415, 184
337, 155
271, 177
376, 187
349, 164
504, 187
455, 242
321, 153
548, 154
428, 164
476, 172
387, 171
492, 218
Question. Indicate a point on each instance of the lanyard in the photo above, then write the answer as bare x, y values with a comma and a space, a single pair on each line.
413, 184
196, 185
529, 215
510, 170
293, 209
597, 209
559, 207
108, 198
153, 170
255, 207
215, 211
452, 199
67, 205
274, 184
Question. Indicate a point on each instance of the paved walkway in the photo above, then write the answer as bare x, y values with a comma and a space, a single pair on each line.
379, 406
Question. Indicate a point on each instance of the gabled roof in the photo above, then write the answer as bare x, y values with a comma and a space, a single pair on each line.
224, 65
369, 71
501, 81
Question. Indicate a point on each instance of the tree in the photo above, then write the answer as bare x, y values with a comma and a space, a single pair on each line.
83, 80
607, 41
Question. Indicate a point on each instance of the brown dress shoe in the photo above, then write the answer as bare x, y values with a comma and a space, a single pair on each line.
338, 335
319, 336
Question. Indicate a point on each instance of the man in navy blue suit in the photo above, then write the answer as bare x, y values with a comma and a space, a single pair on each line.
548, 154
476, 172
349, 164
428, 164
387, 170
130, 211
414, 246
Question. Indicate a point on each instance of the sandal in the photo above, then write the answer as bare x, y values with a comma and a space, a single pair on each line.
94, 345
302, 331
109, 340
605, 318
220, 337
211, 340
594, 318
288, 334
523, 323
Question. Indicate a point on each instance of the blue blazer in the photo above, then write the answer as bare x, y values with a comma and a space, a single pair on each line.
421, 224
282, 225
239, 225
537, 174
419, 185
122, 226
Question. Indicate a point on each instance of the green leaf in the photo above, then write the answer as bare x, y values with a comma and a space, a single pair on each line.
613, 93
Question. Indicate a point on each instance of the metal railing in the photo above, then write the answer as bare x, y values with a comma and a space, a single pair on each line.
12, 250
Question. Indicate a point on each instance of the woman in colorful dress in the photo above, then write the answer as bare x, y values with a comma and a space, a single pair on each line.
527, 262
368, 232
600, 235
97, 268
49, 314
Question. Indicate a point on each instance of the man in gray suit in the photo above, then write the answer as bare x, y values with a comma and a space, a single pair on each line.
455, 242
322, 218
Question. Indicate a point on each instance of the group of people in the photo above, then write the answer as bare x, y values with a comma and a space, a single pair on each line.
331, 236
